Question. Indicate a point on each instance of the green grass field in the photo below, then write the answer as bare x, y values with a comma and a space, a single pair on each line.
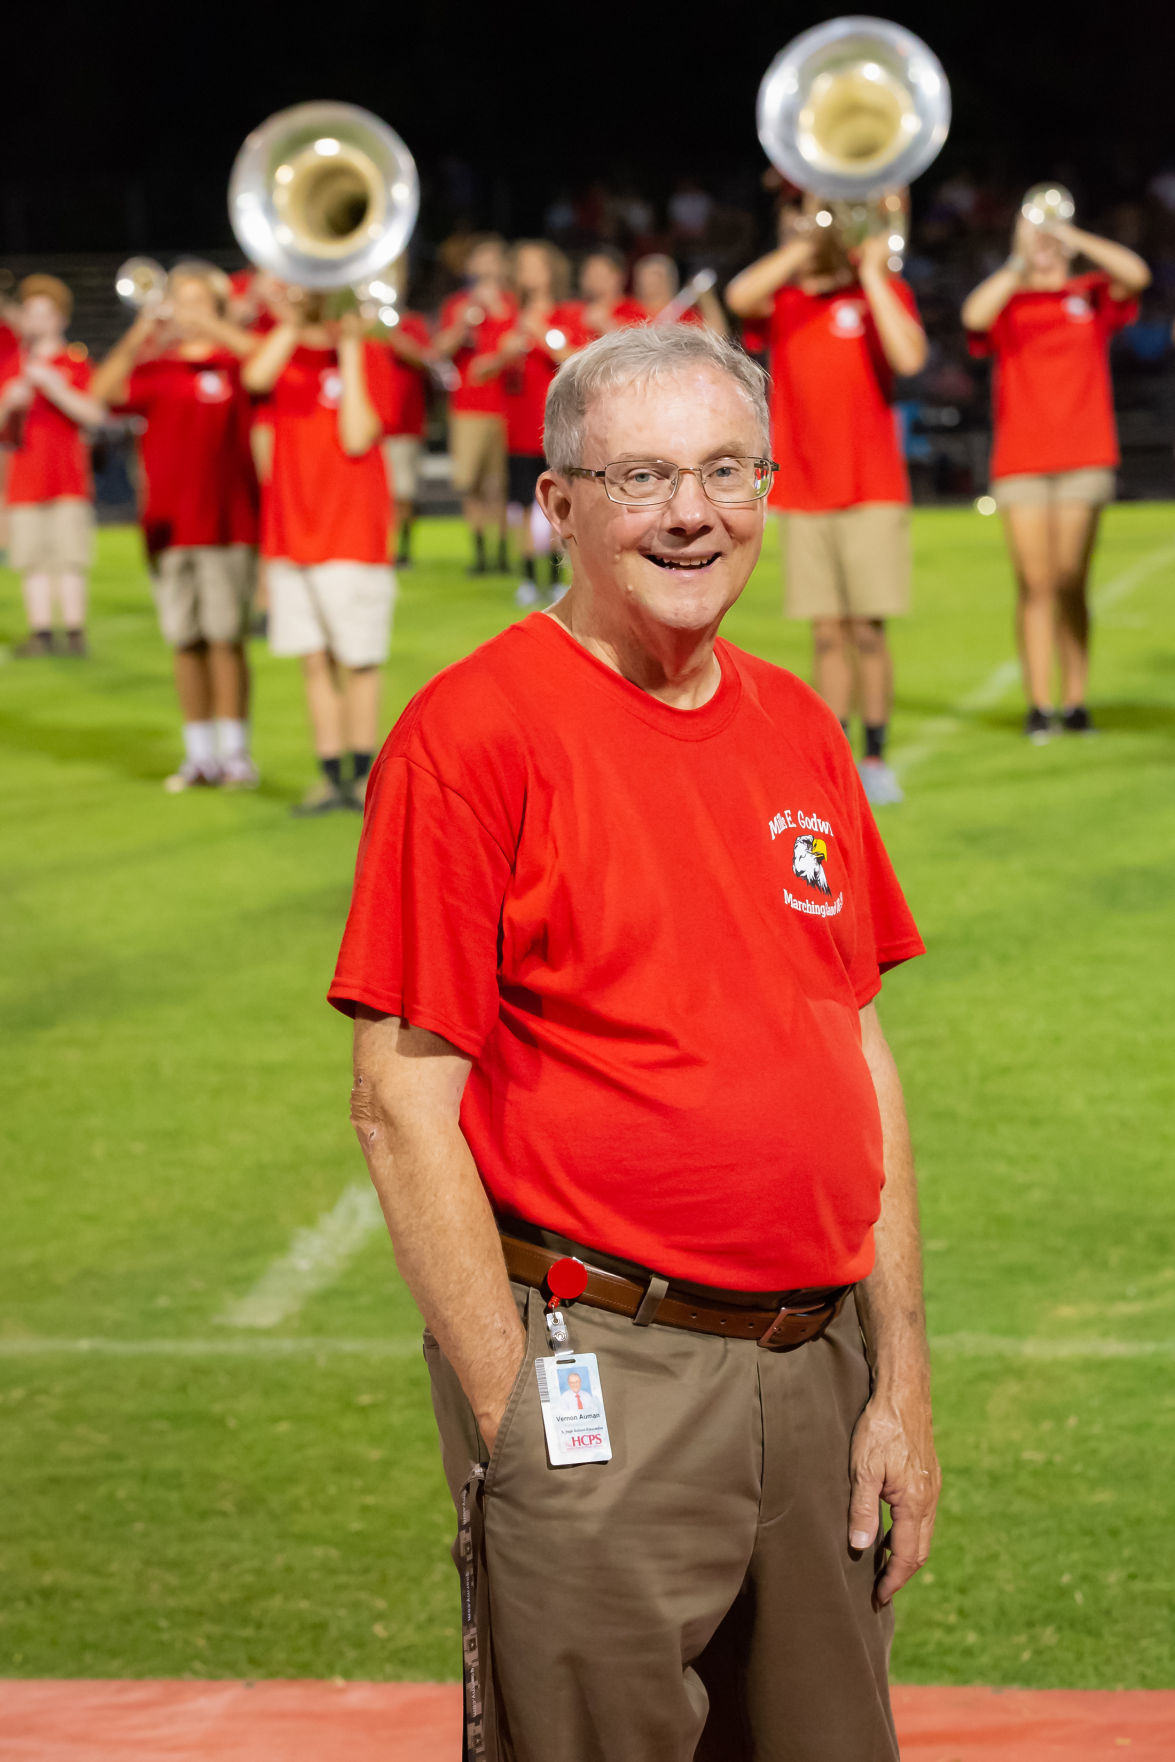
193, 1498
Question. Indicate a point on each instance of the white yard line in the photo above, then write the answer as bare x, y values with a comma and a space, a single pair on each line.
314, 1260
327, 1346
936, 732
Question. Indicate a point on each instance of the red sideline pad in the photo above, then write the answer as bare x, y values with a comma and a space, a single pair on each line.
419, 1722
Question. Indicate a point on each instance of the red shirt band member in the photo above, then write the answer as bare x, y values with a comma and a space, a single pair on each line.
473, 323
410, 356
1048, 333
178, 370
839, 326
45, 410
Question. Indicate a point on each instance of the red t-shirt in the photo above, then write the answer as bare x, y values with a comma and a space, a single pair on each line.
652, 931
201, 488
526, 382
50, 453
467, 396
1053, 403
411, 383
833, 427
320, 505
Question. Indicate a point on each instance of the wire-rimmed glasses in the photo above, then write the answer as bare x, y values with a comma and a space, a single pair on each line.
648, 483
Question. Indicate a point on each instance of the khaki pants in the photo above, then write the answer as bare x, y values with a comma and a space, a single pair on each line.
850, 563
694, 1599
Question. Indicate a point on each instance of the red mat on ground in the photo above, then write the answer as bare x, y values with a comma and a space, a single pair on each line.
419, 1722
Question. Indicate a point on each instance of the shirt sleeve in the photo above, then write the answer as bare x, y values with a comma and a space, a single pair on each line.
138, 394
1115, 314
422, 935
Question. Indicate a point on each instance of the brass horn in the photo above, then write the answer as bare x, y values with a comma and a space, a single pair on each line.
140, 282
1044, 202
323, 195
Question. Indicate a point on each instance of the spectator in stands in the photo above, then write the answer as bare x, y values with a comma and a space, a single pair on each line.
45, 409
179, 369
839, 330
473, 322
656, 283
1056, 446
604, 304
326, 514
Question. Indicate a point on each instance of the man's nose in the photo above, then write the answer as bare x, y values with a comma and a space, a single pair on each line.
689, 506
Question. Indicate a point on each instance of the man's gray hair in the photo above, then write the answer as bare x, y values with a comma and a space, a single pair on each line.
641, 354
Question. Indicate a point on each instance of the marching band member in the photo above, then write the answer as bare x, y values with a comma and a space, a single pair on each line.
838, 333
473, 322
1056, 447
604, 304
547, 331
45, 408
179, 370
409, 346
326, 512
656, 283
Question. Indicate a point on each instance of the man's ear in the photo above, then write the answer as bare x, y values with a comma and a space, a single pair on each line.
554, 498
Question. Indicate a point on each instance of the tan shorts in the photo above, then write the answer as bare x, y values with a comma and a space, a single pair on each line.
402, 459
51, 536
850, 563
477, 446
202, 593
344, 608
1095, 485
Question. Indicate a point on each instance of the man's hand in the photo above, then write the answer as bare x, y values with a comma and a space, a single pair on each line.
893, 1458
490, 1423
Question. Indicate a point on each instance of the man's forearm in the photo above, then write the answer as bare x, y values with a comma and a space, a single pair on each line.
890, 1301
444, 1235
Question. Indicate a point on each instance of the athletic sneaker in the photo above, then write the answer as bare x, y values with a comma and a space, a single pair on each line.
1077, 721
238, 772
1038, 725
76, 644
321, 798
881, 785
192, 776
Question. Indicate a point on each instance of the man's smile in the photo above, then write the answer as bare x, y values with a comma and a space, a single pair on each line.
681, 562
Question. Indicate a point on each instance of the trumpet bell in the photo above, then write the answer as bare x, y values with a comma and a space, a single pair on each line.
323, 195
853, 107
140, 282
1048, 202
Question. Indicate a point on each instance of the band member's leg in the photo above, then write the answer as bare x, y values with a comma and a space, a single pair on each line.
874, 671
37, 587
361, 690
1075, 526
832, 665
324, 700
1029, 530
71, 588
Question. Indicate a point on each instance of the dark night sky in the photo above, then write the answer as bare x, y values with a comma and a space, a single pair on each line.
128, 135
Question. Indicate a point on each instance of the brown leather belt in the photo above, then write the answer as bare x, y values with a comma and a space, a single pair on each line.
801, 1315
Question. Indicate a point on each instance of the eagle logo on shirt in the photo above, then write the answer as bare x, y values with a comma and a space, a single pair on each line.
807, 861
847, 319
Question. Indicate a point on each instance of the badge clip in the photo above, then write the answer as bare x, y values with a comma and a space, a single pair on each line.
565, 1281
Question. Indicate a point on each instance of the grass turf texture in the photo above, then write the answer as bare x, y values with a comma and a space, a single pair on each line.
174, 1110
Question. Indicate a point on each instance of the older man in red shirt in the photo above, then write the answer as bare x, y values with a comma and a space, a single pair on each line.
619, 921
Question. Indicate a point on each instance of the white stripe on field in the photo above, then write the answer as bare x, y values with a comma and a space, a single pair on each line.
990, 690
314, 1260
327, 1346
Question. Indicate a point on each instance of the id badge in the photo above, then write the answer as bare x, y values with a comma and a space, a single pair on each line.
573, 1409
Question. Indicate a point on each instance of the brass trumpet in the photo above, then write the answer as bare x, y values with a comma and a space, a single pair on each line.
140, 282
1045, 202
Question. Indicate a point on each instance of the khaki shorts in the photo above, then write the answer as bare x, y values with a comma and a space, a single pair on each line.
477, 446
1094, 486
402, 460
202, 593
345, 608
850, 563
51, 536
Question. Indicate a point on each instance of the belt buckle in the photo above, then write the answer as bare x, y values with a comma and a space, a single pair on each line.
820, 1317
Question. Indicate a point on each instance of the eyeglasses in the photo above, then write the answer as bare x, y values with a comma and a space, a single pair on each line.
648, 483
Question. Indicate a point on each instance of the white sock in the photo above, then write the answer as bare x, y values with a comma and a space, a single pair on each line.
232, 738
200, 743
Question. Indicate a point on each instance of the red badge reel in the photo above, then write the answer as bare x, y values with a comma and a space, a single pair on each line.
565, 1281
